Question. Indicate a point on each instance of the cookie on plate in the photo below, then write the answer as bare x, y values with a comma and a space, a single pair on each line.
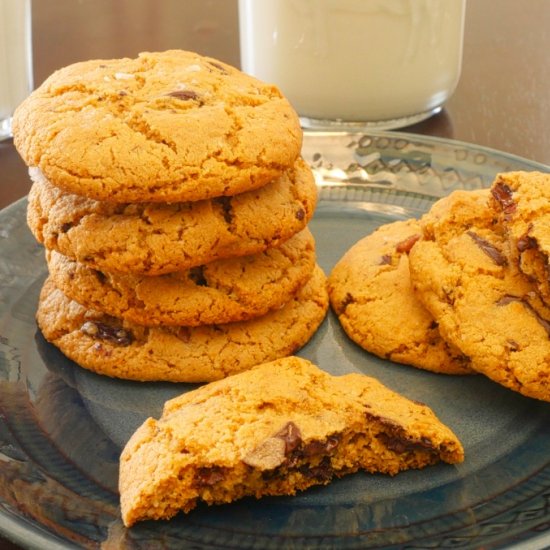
153, 238
109, 346
234, 289
274, 430
483, 304
370, 292
167, 126
522, 201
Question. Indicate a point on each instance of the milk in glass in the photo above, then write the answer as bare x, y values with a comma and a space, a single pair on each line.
381, 63
15, 58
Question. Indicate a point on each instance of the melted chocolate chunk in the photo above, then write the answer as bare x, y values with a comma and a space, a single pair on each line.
395, 438
184, 95
404, 247
102, 331
291, 435
504, 196
494, 253
321, 447
400, 444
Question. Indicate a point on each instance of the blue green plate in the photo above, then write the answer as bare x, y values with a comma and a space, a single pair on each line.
62, 427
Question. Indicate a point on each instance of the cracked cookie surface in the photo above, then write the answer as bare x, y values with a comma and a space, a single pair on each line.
121, 349
166, 126
276, 429
370, 292
483, 304
224, 291
522, 201
153, 238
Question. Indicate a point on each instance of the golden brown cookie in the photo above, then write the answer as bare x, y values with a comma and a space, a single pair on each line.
224, 291
522, 200
121, 349
165, 127
153, 239
274, 430
370, 292
483, 304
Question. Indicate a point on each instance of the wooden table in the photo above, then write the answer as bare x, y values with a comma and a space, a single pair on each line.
502, 100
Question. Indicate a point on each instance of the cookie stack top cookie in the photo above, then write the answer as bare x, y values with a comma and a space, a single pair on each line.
163, 127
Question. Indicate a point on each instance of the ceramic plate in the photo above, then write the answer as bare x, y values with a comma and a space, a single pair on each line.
62, 428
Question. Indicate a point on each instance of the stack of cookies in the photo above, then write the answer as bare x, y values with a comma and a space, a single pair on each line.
171, 198
465, 289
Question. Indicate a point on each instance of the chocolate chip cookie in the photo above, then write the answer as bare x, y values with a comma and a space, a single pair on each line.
167, 126
484, 305
234, 289
522, 201
276, 429
110, 346
370, 292
153, 238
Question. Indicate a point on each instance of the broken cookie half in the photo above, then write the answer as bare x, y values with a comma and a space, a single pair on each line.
274, 430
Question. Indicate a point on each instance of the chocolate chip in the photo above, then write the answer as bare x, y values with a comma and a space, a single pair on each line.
184, 95
341, 308
494, 253
508, 299
184, 334
102, 331
196, 274
503, 194
385, 259
512, 345
322, 472
65, 227
218, 66
404, 247
101, 277
209, 476
300, 214
526, 243
225, 203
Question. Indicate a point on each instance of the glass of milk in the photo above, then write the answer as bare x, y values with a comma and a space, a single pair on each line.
355, 64
15, 59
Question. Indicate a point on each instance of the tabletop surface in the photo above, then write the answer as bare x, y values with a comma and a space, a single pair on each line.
502, 100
